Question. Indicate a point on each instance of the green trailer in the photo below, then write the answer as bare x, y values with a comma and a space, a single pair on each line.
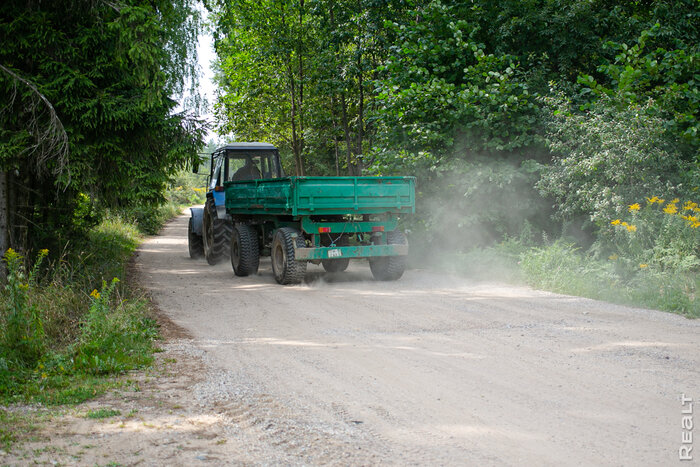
326, 220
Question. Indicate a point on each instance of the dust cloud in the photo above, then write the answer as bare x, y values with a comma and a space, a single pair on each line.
472, 217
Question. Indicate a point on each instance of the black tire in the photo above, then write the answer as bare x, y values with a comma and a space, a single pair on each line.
285, 268
194, 242
216, 234
245, 250
390, 268
337, 265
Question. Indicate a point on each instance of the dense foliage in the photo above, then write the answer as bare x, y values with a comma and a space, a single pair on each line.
526, 120
87, 110
439, 88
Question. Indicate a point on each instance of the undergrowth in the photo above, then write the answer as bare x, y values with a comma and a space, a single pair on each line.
649, 257
69, 323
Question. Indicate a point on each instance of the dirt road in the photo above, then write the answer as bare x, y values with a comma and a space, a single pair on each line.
431, 370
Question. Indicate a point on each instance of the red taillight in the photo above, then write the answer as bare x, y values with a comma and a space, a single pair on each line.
219, 188
378, 228
324, 230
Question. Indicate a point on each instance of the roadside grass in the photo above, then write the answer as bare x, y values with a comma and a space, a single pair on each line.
102, 413
70, 327
649, 256
563, 267
14, 426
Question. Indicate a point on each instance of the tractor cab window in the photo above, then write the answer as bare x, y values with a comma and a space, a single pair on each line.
215, 176
252, 165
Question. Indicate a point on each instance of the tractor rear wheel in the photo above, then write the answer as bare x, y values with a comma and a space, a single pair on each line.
390, 268
194, 242
285, 267
216, 234
245, 250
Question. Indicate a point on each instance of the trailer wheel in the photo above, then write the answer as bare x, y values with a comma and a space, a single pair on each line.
390, 268
245, 251
216, 234
194, 242
285, 268
337, 265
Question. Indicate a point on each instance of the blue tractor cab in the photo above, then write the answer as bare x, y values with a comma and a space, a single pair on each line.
209, 229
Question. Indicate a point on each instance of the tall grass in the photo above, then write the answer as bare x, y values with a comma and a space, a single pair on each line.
57, 336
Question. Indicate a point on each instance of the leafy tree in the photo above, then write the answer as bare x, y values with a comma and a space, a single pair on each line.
263, 49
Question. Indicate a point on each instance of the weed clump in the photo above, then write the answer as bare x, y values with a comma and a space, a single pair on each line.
40, 356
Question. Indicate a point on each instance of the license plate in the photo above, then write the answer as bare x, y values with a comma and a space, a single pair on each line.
335, 253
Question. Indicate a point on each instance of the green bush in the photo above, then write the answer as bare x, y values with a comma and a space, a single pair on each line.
57, 341
648, 257
610, 156
184, 190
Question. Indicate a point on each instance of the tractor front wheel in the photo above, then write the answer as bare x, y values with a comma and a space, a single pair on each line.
194, 242
216, 234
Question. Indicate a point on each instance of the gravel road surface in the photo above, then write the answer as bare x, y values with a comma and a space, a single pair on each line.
429, 370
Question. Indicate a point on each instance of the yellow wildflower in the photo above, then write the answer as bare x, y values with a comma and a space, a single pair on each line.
95, 294
625, 224
660, 200
44, 252
643, 265
615, 222
613, 257
695, 225
632, 228
652, 200
44, 376
689, 206
674, 201
671, 209
633, 207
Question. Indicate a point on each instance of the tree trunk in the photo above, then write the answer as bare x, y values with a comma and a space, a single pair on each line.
361, 108
4, 221
295, 142
348, 139
360, 120
300, 51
